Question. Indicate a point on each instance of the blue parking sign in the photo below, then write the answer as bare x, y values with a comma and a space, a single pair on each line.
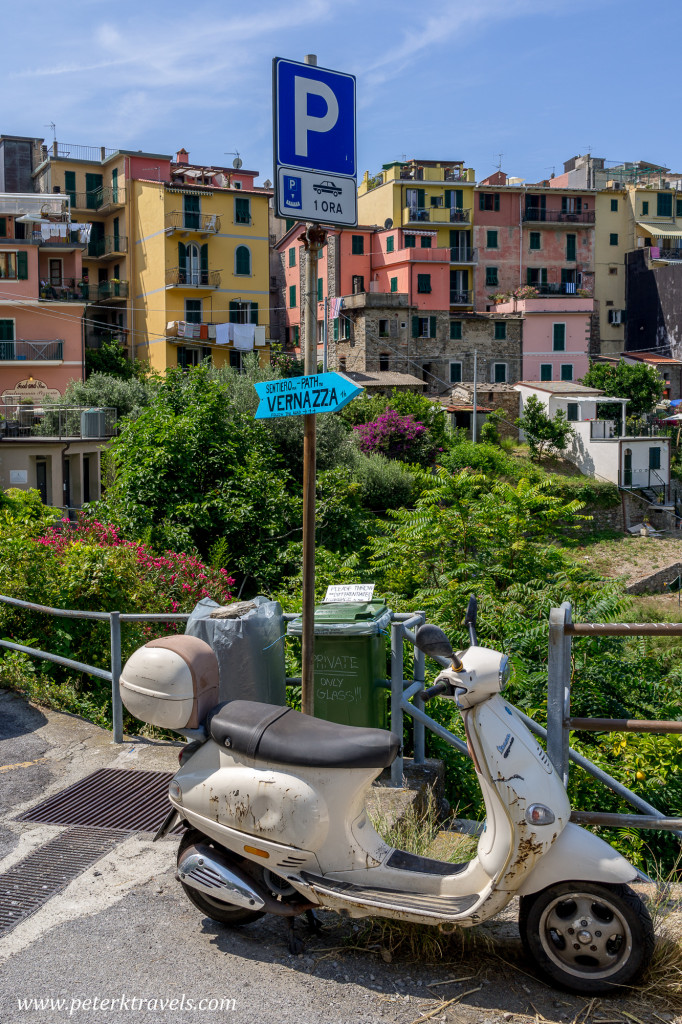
314, 118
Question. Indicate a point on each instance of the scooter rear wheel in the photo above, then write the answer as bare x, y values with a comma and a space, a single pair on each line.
217, 910
586, 936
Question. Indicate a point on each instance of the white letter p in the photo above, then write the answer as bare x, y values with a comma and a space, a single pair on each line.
304, 87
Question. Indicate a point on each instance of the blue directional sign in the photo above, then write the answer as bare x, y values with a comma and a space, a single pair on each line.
302, 396
314, 143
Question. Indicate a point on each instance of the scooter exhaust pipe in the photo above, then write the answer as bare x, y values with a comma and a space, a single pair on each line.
213, 873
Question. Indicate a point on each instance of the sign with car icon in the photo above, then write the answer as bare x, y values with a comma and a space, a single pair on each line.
327, 186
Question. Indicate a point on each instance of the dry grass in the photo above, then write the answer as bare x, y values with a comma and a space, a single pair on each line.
631, 557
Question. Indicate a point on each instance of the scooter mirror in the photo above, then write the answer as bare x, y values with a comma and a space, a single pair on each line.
433, 641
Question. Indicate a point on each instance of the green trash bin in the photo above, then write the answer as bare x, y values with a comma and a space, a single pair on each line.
350, 662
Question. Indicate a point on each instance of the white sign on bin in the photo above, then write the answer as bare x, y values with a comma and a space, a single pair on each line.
342, 593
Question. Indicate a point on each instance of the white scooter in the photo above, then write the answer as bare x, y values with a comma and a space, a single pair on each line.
274, 806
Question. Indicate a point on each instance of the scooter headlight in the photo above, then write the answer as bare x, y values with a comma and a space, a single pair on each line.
505, 671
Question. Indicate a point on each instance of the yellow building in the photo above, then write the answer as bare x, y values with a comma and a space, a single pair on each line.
428, 196
612, 240
172, 243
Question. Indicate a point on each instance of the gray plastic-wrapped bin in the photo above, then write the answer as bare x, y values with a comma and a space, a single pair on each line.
249, 649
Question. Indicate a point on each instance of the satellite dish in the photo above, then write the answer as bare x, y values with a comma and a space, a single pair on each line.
388, 223
237, 162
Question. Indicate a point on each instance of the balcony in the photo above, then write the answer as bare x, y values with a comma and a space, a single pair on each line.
461, 254
108, 247
181, 278
19, 419
31, 351
537, 216
458, 297
68, 289
435, 215
103, 200
671, 255
199, 223
562, 288
70, 240
112, 290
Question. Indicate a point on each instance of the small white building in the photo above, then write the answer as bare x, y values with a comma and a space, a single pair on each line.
601, 448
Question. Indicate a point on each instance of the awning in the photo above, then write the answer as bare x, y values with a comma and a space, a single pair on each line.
430, 234
660, 232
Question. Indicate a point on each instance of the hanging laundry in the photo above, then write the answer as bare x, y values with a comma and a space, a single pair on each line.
244, 337
224, 334
45, 231
211, 332
259, 333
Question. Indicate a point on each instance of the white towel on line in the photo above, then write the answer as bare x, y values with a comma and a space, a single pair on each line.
223, 334
244, 336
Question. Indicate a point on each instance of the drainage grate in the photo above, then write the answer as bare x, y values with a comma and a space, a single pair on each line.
116, 798
30, 883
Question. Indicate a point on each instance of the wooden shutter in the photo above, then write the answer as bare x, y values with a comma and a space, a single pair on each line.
22, 266
70, 185
234, 312
336, 328
3, 227
415, 326
543, 275
459, 198
319, 289
432, 327
449, 198
204, 257
182, 256
421, 198
570, 247
253, 315
6, 330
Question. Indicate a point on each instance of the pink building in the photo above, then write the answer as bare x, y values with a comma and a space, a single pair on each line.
556, 336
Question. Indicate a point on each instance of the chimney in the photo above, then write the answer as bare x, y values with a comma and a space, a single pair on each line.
182, 156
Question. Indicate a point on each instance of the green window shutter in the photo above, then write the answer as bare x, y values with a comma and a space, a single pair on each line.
253, 313
449, 198
545, 371
357, 245
426, 241
455, 373
491, 239
319, 289
22, 266
203, 257
346, 328
529, 276
93, 189
567, 371
394, 284
496, 202
6, 330
534, 240
70, 185
500, 330
559, 337
481, 201
421, 198
424, 283
292, 256
432, 327
455, 330
289, 223
3, 227
613, 238
500, 373
292, 296
664, 204
614, 205
572, 412
678, 207
415, 326
336, 329
190, 208
543, 275
182, 255
234, 312
242, 211
389, 243
242, 260
570, 247
654, 458
645, 208
491, 276
410, 241
459, 199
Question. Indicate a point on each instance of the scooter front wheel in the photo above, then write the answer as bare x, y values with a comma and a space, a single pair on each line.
217, 910
586, 936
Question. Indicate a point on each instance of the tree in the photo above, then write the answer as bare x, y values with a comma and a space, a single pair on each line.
642, 385
543, 434
109, 391
111, 359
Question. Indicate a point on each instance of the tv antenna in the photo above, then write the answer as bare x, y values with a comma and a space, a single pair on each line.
237, 162
499, 161
53, 126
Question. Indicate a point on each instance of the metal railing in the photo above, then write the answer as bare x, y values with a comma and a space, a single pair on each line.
436, 214
459, 297
108, 245
182, 278
664, 254
31, 351
71, 238
537, 215
32, 419
560, 288
68, 289
91, 153
460, 254
204, 223
112, 290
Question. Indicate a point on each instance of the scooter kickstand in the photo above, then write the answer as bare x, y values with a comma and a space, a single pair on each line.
295, 945
314, 923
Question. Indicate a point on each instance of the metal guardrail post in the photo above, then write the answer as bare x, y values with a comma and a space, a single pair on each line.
419, 732
116, 705
396, 698
559, 690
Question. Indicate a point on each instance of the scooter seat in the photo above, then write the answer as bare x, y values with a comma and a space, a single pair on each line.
272, 733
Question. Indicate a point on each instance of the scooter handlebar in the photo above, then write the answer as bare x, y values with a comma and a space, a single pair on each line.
433, 691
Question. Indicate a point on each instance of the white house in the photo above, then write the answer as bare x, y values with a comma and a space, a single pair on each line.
602, 448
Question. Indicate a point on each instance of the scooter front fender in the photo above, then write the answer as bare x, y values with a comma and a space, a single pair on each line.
578, 854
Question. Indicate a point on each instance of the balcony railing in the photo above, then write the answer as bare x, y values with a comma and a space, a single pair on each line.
181, 278
71, 238
108, 245
535, 214
435, 215
203, 223
68, 289
560, 288
459, 297
98, 199
112, 290
31, 351
100, 336
462, 254
68, 150
22, 419
655, 253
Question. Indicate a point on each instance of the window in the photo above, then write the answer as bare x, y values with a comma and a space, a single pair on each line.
193, 311
410, 241
500, 330
342, 364
614, 205
3, 227
536, 276
390, 242
242, 260
455, 373
654, 458
289, 223
383, 360
491, 239
394, 284
297, 334
559, 337
383, 328
292, 256
500, 373
678, 207
70, 186
243, 312
292, 296
423, 327
242, 210
616, 316
13, 266
358, 284
341, 328
570, 247
545, 371
491, 275
567, 371
191, 212
572, 408
613, 271
455, 330
436, 200
6, 330
319, 290
423, 283
425, 241
664, 204
645, 207
613, 238
489, 201
357, 245
534, 240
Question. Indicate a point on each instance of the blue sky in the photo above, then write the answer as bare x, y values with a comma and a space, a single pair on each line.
534, 80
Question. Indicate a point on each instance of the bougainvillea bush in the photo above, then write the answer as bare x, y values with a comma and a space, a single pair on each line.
396, 437
85, 565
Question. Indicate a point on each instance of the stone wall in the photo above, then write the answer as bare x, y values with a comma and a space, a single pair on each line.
655, 582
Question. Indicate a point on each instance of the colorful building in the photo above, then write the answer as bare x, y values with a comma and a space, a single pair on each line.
556, 336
